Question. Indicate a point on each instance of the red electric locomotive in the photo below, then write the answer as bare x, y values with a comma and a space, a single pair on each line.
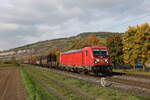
95, 59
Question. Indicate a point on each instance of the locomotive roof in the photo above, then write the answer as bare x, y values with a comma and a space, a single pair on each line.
79, 50
72, 51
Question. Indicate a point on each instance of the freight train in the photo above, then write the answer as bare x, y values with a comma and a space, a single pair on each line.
89, 59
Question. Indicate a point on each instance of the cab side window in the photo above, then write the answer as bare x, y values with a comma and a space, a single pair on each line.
86, 53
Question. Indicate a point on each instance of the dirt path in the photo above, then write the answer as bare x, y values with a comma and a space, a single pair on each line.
11, 85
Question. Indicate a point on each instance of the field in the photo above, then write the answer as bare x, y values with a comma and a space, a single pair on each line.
11, 84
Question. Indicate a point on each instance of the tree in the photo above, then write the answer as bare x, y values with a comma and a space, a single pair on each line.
91, 40
114, 43
13, 61
136, 45
128, 45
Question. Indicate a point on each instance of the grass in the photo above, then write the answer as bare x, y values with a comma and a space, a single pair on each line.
132, 71
34, 90
87, 87
62, 89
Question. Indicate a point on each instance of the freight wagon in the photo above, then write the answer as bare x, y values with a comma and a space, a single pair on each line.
48, 61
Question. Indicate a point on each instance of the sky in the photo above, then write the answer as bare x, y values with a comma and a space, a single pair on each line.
27, 21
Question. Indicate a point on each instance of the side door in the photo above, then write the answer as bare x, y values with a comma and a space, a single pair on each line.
87, 56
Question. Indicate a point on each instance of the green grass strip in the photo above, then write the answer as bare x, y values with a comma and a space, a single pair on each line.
34, 90
61, 88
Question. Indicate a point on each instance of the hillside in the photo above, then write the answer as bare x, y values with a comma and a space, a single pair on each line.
61, 43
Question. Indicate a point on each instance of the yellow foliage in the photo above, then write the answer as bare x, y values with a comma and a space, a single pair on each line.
136, 44
143, 56
148, 61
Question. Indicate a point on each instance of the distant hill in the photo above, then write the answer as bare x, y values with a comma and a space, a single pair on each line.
99, 34
60, 43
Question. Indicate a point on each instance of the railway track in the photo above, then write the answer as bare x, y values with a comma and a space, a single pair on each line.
136, 85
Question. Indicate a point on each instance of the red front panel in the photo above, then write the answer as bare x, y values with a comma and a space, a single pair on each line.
105, 61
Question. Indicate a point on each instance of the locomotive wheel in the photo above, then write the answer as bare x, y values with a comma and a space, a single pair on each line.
86, 72
109, 69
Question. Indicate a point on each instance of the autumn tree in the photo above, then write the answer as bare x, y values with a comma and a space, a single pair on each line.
76, 44
136, 45
57, 53
91, 40
114, 43
128, 45
13, 61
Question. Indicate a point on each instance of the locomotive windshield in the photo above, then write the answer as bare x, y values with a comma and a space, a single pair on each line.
100, 53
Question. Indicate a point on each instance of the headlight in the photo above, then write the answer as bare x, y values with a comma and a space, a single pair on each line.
96, 60
106, 60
